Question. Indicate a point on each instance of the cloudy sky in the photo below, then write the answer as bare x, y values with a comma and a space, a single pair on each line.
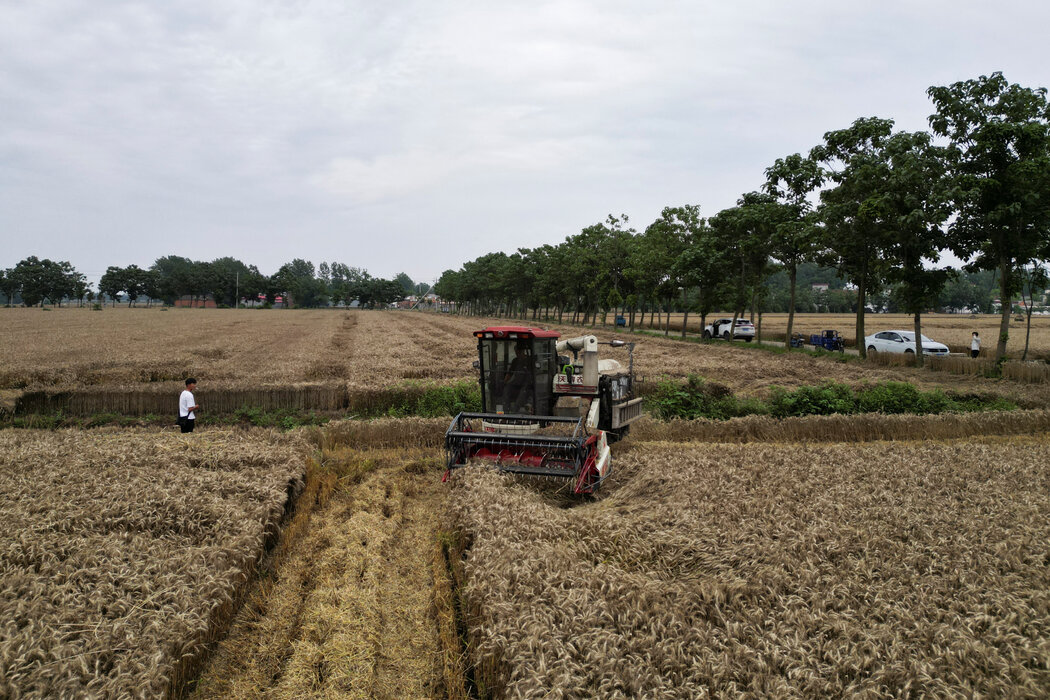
413, 136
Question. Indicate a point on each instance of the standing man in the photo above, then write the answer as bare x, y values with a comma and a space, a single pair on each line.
187, 406
975, 345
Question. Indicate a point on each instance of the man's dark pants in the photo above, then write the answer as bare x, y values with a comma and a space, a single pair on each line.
187, 425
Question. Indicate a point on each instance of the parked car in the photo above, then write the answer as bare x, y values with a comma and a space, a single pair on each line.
902, 342
745, 330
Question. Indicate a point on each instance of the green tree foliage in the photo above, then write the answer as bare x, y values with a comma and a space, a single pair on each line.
853, 237
9, 286
658, 249
297, 281
745, 232
37, 280
791, 181
406, 282
913, 205
702, 266
175, 276
112, 283
999, 143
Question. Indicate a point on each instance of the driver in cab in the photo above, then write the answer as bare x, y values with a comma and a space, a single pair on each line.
516, 377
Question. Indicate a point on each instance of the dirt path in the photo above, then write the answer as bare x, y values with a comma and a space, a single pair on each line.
350, 611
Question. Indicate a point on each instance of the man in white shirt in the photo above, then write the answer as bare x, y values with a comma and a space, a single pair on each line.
975, 345
187, 406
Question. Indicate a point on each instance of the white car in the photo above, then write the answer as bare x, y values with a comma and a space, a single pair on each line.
745, 330
902, 342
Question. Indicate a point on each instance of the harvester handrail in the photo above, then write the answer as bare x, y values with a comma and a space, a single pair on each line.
503, 438
576, 433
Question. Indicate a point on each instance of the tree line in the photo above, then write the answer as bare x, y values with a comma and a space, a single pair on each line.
227, 281
878, 205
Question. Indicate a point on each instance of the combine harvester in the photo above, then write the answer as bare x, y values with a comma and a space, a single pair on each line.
546, 414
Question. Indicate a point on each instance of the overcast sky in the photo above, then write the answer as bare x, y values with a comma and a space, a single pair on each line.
414, 136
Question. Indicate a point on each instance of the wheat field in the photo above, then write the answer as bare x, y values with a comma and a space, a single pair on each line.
814, 560
124, 552
767, 570
73, 347
129, 361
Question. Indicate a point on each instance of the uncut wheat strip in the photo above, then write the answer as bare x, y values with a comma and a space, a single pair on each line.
845, 428
737, 598
217, 398
68, 542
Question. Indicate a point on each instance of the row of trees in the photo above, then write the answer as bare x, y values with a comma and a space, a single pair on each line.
35, 280
227, 281
878, 205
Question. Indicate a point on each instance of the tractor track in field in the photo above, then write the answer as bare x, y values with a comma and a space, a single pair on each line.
352, 611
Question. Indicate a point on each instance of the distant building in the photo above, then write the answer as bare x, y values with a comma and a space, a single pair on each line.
205, 302
820, 286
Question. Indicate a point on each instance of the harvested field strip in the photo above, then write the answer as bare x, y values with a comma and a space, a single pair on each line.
381, 433
66, 348
1014, 370
886, 569
335, 360
130, 552
390, 347
354, 609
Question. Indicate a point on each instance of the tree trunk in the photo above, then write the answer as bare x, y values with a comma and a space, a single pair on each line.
758, 328
667, 323
861, 289
632, 319
737, 313
685, 320
793, 275
919, 358
703, 323
1029, 303
1004, 321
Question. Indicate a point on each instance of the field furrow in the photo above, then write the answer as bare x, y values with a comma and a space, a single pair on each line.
352, 607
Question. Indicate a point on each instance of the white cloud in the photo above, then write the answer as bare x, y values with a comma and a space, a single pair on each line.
360, 131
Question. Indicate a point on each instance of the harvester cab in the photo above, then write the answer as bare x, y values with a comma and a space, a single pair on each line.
550, 407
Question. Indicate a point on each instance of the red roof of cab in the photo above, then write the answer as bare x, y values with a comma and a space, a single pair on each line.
503, 331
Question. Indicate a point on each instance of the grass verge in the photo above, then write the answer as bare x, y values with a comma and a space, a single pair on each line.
699, 398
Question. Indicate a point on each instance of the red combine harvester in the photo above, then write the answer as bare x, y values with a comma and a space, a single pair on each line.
546, 413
